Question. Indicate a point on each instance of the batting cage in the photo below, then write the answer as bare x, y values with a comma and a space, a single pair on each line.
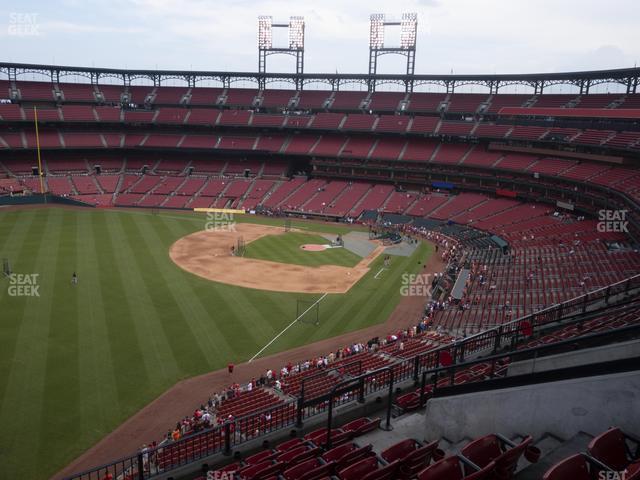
6, 267
240, 247
308, 311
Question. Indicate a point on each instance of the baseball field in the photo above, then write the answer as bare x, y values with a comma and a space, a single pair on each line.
76, 360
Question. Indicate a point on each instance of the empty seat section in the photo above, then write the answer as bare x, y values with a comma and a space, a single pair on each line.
242, 97
373, 200
359, 121
35, 90
171, 115
234, 117
466, 102
425, 102
388, 148
204, 95
266, 120
358, 147
392, 123
77, 92
386, 101
278, 99
169, 95
313, 99
347, 100
78, 113
329, 145
424, 124
327, 121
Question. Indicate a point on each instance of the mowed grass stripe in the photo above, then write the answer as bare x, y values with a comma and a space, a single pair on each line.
12, 308
23, 407
143, 305
127, 355
97, 374
188, 347
285, 248
62, 384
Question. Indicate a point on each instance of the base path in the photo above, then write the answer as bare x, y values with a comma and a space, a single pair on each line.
208, 255
152, 422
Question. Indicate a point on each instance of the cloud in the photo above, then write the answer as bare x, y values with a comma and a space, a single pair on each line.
498, 36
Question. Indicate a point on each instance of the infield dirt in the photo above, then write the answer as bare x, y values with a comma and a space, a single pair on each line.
208, 255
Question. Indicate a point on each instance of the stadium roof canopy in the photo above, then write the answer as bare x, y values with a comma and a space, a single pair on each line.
628, 77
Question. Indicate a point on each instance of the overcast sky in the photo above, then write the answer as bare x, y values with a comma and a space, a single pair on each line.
463, 36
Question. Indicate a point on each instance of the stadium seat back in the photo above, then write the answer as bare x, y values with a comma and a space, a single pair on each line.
609, 448
336, 454
507, 462
417, 460
574, 467
483, 450
400, 450
289, 454
359, 469
320, 472
446, 469
355, 456
289, 444
302, 456
298, 471
483, 474
260, 457
388, 472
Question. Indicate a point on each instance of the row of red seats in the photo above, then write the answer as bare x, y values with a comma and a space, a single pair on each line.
612, 454
492, 456
279, 98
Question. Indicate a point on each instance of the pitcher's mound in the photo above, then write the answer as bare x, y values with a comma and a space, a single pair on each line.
314, 247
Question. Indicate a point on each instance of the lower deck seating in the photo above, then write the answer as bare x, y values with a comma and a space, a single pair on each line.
493, 456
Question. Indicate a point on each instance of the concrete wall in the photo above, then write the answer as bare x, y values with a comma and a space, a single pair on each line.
587, 356
560, 408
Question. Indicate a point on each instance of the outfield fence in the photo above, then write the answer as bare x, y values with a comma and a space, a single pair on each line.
352, 384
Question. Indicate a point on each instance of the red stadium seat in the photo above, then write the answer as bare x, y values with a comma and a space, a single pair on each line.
347, 454
575, 467
412, 455
361, 426
612, 449
453, 468
298, 454
311, 469
359, 469
493, 448
260, 457
260, 471
289, 444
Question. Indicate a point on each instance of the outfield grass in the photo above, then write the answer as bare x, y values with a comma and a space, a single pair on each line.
77, 361
285, 248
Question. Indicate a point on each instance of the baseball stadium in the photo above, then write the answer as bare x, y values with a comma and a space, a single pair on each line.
304, 276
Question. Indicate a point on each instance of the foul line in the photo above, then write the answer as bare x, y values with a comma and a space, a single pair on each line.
287, 327
379, 272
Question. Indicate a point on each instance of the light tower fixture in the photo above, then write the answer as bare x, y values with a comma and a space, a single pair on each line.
296, 33
377, 47
265, 32
295, 46
376, 30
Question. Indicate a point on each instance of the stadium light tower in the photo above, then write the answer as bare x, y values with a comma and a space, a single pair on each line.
295, 45
408, 32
